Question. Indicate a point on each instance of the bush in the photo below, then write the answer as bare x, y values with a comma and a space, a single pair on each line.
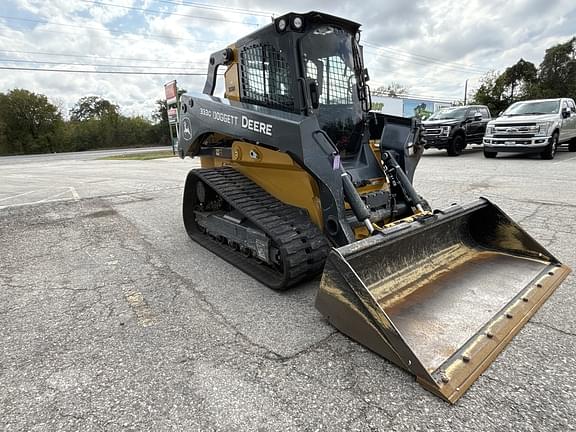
29, 123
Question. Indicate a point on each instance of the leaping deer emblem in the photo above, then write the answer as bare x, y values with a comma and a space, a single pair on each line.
186, 129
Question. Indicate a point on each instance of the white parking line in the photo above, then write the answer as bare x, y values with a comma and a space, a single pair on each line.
44, 201
74, 193
17, 195
51, 197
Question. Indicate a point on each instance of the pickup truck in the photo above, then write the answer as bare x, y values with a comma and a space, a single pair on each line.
533, 126
456, 127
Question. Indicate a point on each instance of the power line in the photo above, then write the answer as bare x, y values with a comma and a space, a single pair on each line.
415, 96
425, 63
100, 72
413, 58
114, 38
157, 12
428, 63
97, 57
83, 27
404, 52
93, 64
220, 8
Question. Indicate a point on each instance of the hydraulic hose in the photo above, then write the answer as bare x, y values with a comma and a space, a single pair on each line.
358, 207
396, 171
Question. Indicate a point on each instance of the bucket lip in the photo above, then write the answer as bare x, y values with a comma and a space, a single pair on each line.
465, 366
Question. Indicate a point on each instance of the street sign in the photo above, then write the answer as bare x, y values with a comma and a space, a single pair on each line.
171, 92
172, 115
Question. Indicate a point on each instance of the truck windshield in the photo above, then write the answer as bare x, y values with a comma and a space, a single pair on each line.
328, 58
533, 107
449, 113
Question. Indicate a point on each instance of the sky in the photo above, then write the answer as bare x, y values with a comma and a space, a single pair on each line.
430, 46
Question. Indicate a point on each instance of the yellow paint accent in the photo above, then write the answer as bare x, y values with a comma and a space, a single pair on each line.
361, 232
278, 174
232, 82
212, 161
408, 219
145, 316
375, 146
232, 77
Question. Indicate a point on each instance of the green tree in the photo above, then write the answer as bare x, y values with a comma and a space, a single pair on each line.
394, 89
517, 81
490, 93
557, 72
160, 132
498, 91
29, 123
93, 108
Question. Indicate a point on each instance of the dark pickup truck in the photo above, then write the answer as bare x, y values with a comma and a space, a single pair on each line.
455, 127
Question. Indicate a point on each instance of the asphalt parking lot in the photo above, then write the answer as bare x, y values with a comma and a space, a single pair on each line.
112, 319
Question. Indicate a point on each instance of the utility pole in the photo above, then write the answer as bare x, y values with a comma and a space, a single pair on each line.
465, 91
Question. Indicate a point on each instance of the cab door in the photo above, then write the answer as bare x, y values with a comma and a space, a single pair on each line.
474, 131
571, 121
484, 122
566, 131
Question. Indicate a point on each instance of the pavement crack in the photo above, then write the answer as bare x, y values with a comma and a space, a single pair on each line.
551, 327
309, 348
531, 214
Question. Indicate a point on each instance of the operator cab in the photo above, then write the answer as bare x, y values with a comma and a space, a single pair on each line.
308, 64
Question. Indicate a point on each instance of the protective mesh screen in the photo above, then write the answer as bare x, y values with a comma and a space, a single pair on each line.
335, 80
265, 77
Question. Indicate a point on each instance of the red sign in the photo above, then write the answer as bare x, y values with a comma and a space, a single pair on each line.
171, 92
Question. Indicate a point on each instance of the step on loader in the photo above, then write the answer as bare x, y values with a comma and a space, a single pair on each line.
300, 178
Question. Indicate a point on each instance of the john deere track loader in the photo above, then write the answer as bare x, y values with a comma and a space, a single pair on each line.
299, 178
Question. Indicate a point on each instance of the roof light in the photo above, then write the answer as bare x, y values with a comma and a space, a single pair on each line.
282, 24
297, 23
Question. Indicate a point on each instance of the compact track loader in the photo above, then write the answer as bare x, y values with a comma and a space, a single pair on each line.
300, 178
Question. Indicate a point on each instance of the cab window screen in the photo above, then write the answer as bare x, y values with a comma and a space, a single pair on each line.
336, 79
265, 77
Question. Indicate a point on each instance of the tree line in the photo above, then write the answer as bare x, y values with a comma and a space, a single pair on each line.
555, 77
30, 123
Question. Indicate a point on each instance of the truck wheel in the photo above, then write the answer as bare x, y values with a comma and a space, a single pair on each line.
572, 145
456, 146
550, 150
489, 154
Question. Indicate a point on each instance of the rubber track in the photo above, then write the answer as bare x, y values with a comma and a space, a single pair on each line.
303, 247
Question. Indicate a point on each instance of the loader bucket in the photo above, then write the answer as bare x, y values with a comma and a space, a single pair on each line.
440, 297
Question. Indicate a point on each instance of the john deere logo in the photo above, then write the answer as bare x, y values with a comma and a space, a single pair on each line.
186, 129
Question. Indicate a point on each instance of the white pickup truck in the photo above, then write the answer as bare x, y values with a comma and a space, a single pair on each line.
533, 126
